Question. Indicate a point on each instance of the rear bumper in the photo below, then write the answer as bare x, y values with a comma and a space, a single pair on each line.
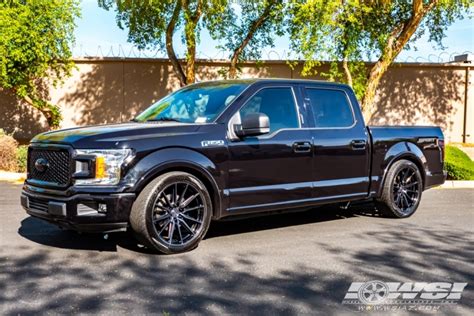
432, 180
81, 212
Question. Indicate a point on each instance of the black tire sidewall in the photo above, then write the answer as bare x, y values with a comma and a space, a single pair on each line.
165, 181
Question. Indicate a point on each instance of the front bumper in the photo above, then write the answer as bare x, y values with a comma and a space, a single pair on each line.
82, 212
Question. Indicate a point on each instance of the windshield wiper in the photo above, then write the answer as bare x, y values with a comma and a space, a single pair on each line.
164, 119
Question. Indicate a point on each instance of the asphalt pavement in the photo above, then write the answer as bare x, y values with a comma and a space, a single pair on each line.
300, 263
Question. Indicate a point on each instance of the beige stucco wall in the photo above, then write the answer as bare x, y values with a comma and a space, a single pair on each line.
108, 91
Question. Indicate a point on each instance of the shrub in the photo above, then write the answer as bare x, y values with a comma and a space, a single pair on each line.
21, 158
8, 147
458, 164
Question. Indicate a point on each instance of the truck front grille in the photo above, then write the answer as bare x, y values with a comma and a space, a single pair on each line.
49, 166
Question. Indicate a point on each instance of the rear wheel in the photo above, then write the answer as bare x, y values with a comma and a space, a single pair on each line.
401, 193
172, 214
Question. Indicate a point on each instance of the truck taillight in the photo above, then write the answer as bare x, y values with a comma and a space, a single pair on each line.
441, 146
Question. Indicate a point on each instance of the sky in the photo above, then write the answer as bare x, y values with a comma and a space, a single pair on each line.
98, 35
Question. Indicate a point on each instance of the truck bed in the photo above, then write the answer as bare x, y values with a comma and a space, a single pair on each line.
424, 145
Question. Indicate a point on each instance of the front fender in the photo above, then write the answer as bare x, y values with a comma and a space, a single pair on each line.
168, 159
401, 150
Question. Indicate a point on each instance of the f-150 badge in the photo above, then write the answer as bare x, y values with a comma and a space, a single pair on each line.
212, 143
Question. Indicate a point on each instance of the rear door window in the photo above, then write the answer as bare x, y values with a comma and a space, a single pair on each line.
331, 108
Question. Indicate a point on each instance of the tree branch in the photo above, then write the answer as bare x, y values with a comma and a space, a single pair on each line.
254, 26
395, 43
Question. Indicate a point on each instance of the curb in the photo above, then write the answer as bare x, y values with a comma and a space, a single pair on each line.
17, 177
458, 184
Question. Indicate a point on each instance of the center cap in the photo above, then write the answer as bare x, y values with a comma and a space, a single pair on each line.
174, 212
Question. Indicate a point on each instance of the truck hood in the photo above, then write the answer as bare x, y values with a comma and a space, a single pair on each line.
114, 135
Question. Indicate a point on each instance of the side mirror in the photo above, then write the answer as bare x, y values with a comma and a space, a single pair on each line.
253, 124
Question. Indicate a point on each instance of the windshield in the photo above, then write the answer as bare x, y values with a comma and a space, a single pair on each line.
194, 104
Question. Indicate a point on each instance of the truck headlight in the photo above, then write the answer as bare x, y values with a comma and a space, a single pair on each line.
103, 166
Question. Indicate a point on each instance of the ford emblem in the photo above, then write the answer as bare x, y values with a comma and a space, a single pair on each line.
41, 164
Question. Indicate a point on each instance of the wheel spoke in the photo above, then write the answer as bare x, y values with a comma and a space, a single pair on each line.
406, 201
166, 198
411, 184
175, 194
171, 233
397, 198
410, 199
191, 209
412, 173
160, 218
181, 198
186, 226
179, 233
164, 226
190, 218
189, 200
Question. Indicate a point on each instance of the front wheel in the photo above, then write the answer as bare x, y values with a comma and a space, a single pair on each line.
401, 193
172, 213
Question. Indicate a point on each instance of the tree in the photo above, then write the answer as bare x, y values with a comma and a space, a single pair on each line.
351, 31
246, 28
152, 24
35, 49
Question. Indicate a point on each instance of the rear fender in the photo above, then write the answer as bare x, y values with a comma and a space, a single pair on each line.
403, 150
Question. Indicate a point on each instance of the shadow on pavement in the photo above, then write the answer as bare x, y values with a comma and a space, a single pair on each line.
41, 280
47, 234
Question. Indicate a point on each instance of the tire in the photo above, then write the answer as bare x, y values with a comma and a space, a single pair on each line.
172, 213
401, 192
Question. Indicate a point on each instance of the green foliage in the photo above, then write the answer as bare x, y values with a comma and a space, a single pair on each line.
35, 41
246, 27
458, 164
21, 157
151, 24
354, 31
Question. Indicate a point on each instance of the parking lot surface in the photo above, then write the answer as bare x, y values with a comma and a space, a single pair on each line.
299, 263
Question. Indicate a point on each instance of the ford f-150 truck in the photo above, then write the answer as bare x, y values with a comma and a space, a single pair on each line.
218, 149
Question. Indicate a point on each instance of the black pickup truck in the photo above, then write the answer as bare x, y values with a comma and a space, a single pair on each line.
218, 149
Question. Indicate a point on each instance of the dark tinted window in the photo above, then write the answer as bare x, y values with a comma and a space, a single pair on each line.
331, 108
277, 103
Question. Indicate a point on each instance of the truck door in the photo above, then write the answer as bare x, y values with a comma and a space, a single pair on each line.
341, 144
275, 169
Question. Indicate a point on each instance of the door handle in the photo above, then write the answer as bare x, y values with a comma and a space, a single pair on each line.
358, 144
302, 147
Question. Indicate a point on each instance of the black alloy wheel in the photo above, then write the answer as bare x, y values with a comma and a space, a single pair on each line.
402, 190
172, 213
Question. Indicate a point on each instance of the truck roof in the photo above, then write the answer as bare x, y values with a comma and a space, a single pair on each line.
273, 80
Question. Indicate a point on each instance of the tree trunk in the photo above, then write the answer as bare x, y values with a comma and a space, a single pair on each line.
191, 22
347, 71
253, 28
52, 117
395, 43
178, 69
191, 55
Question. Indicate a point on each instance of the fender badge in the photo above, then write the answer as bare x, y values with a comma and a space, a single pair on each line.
212, 143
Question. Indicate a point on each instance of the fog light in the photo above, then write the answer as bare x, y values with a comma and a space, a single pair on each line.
102, 208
